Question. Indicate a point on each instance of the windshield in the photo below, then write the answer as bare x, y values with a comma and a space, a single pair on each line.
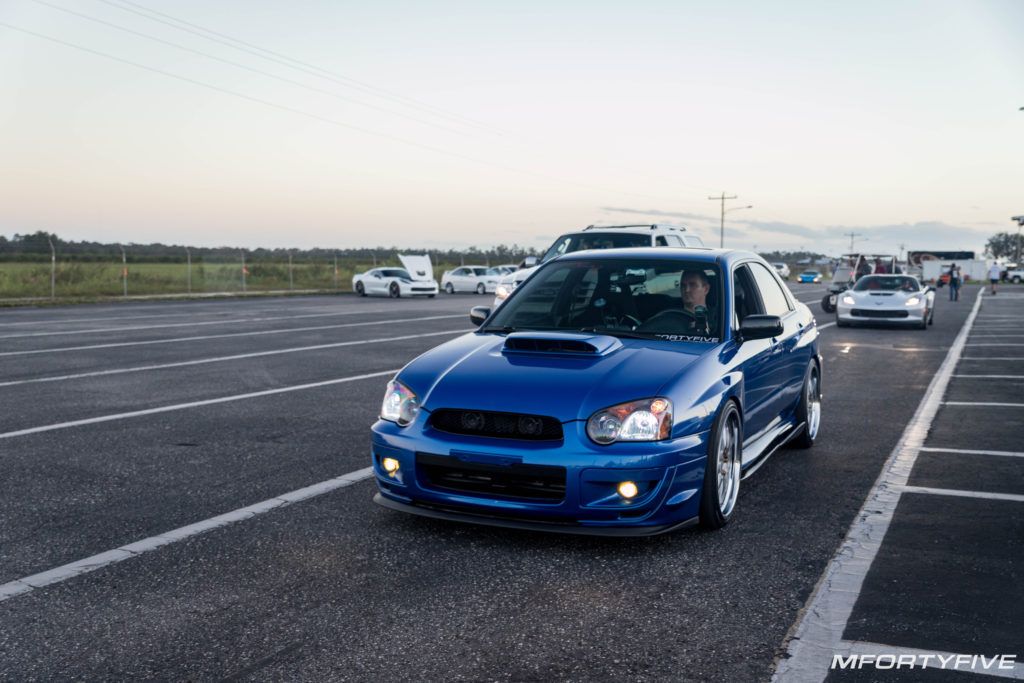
395, 272
479, 271
887, 284
675, 299
596, 240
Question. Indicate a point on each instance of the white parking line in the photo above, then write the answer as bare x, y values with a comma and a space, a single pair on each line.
983, 404
964, 494
817, 635
219, 359
998, 344
91, 564
983, 358
966, 451
225, 321
193, 404
990, 376
225, 336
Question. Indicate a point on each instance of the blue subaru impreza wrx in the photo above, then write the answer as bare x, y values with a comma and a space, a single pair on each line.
616, 392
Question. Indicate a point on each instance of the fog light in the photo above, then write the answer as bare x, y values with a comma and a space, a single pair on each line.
627, 489
390, 465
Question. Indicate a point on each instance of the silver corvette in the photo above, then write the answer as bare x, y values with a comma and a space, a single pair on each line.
887, 299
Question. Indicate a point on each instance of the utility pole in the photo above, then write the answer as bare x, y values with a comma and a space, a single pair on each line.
53, 270
721, 229
852, 235
124, 270
1020, 222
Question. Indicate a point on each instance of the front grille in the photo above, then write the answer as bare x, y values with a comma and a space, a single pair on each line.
529, 482
498, 425
871, 313
423, 289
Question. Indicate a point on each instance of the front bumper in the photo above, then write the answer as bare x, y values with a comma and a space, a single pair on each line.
569, 486
859, 314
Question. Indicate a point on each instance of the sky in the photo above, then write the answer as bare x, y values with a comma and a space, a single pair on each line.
338, 124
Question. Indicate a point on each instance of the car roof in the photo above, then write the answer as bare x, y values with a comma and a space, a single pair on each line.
705, 254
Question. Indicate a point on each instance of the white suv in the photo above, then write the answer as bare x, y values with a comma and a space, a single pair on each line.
600, 237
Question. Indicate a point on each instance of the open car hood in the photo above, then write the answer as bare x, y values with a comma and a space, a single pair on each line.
419, 267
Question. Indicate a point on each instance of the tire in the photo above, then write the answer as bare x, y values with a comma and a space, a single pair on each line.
430, 296
826, 306
360, 290
841, 323
931, 316
480, 289
722, 472
1016, 279
394, 291
808, 412
924, 324
448, 288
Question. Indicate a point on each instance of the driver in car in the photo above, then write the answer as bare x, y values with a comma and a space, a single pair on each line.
696, 317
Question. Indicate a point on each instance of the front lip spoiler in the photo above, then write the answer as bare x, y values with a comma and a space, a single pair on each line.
473, 517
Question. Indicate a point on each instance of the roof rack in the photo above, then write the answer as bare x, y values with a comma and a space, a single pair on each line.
645, 226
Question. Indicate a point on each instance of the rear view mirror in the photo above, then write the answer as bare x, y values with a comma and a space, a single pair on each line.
760, 327
478, 314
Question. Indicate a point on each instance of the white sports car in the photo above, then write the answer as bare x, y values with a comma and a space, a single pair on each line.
892, 299
416, 279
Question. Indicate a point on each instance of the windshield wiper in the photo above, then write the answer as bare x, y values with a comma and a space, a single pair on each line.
626, 334
502, 330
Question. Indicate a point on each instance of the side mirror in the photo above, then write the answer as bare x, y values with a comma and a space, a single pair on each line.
528, 262
478, 314
760, 327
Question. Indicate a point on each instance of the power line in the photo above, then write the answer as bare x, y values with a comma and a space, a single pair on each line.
243, 66
320, 72
311, 69
318, 117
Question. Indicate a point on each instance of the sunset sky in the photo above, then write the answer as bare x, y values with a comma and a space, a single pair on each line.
447, 124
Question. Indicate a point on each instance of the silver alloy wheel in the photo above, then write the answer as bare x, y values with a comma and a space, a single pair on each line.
728, 468
813, 398
449, 288
480, 289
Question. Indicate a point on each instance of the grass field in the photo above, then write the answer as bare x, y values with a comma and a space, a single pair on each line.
98, 280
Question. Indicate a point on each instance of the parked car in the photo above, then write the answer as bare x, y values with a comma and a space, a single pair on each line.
887, 299
1015, 275
600, 237
809, 276
782, 269
416, 279
474, 279
585, 404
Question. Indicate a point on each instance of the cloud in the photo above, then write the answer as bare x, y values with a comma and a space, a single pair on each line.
656, 212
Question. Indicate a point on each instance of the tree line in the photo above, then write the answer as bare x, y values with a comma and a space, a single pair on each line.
36, 247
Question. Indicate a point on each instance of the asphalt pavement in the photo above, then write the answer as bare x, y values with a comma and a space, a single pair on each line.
186, 498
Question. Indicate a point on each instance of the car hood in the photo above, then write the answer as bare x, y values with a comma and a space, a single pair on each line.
418, 266
545, 373
890, 298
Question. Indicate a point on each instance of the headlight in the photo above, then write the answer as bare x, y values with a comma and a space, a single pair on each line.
649, 419
849, 300
913, 301
400, 405
503, 291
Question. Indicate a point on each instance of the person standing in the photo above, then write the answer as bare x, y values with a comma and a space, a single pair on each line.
954, 282
993, 275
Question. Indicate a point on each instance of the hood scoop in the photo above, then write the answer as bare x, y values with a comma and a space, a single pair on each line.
560, 343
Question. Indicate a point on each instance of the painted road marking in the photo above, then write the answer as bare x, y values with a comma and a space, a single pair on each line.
983, 404
226, 321
91, 564
219, 359
964, 451
193, 404
1016, 498
225, 336
817, 635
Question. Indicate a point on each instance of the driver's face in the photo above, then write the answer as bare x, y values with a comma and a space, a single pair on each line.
693, 290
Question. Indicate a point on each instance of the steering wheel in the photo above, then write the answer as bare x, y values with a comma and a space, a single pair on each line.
673, 316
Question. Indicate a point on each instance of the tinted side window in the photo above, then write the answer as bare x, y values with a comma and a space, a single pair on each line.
775, 301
